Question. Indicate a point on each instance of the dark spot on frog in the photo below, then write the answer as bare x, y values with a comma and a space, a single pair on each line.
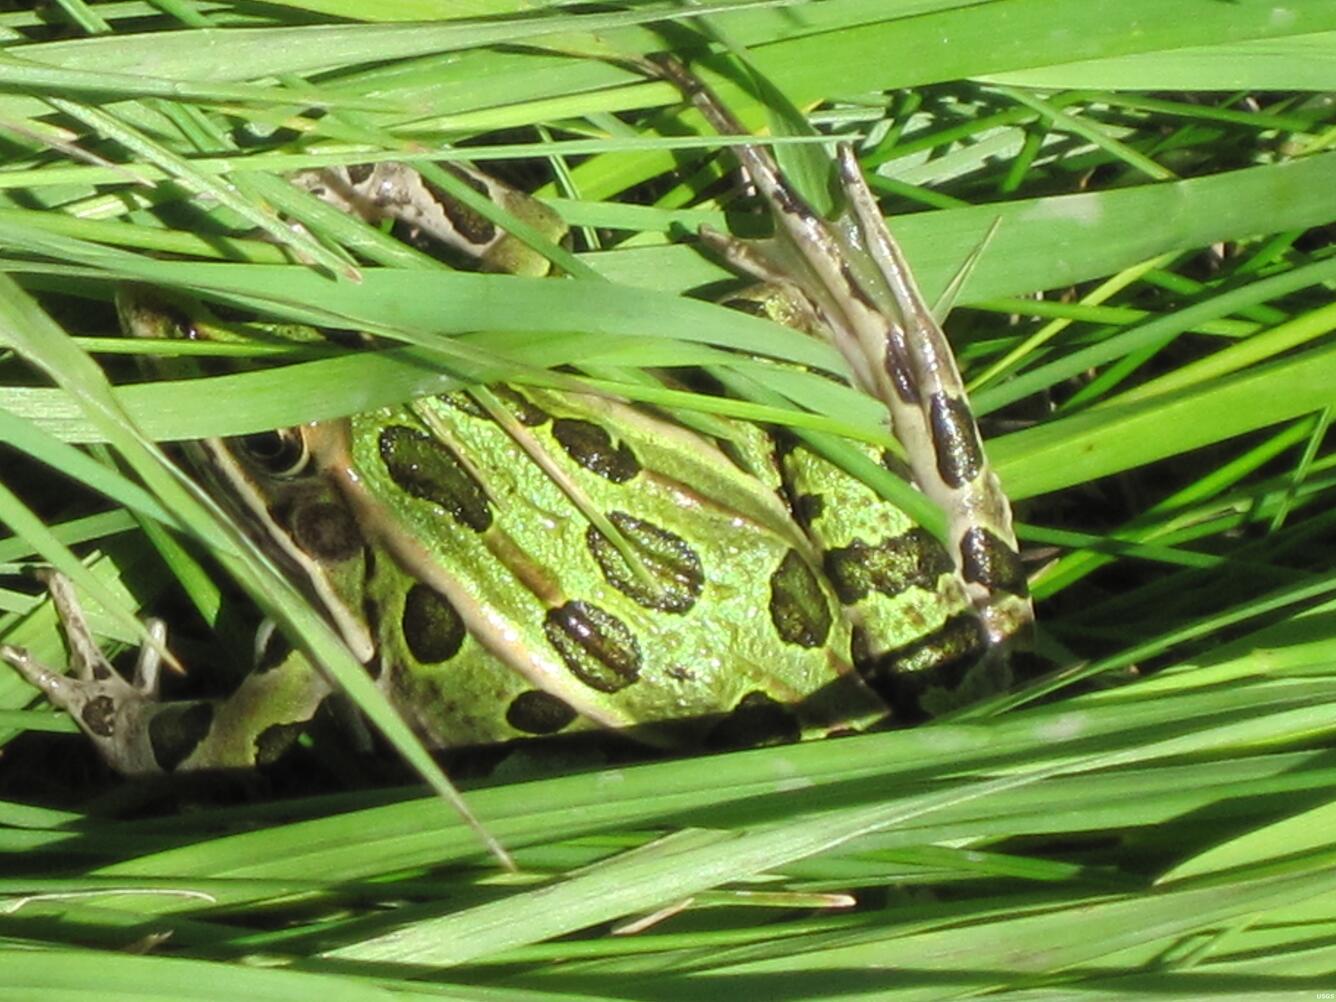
938, 661
955, 440
177, 729
897, 368
807, 508
757, 719
473, 227
429, 469
913, 558
598, 648
591, 446
539, 712
272, 742
433, 630
524, 410
671, 563
326, 530
798, 607
985, 558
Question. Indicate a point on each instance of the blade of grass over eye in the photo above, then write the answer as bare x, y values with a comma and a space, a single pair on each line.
1108, 439
243, 403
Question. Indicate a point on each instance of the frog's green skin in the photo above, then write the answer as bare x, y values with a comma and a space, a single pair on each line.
469, 580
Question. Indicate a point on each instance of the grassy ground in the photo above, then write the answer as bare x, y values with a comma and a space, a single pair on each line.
1150, 814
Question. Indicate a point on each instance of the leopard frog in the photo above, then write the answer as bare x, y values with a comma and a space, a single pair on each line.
521, 562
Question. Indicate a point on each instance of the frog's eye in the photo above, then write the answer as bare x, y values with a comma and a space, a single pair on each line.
281, 453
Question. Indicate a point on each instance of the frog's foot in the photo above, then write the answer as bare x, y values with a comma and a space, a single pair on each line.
113, 712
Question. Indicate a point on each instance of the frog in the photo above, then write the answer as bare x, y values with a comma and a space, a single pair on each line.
520, 562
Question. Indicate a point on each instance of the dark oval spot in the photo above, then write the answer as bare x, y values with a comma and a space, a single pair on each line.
939, 660
756, 720
591, 447
177, 729
99, 716
326, 530
476, 183
429, 469
359, 173
807, 508
462, 400
274, 650
471, 226
598, 648
913, 558
985, 558
525, 410
896, 364
274, 740
798, 606
669, 559
433, 630
785, 443
956, 440
539, 712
